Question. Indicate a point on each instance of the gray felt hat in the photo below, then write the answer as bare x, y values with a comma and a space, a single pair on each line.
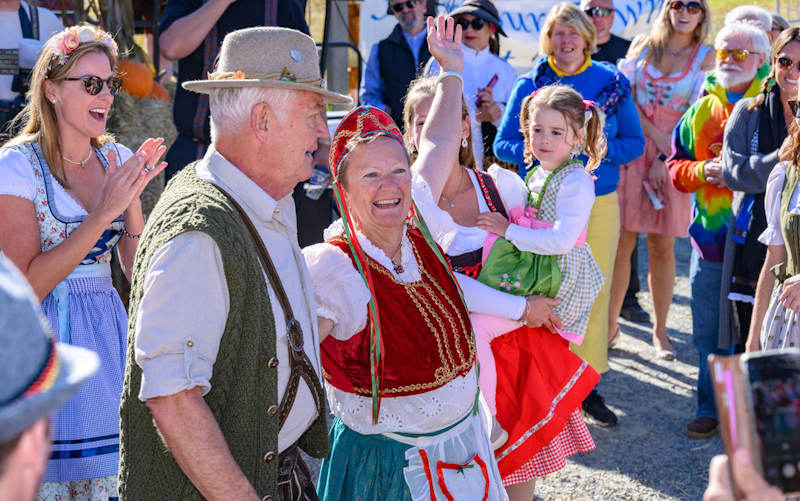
268, 57
37, 375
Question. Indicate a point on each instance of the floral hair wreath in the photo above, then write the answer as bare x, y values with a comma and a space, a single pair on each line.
66, 41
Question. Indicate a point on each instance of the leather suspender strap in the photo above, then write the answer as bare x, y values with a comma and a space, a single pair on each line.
299, 362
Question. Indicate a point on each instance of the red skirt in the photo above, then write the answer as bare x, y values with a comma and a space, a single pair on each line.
540, 383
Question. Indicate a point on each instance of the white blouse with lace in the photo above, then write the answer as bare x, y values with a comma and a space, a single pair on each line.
342, 297
772, 205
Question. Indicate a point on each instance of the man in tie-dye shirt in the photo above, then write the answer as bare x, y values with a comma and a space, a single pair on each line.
696, 167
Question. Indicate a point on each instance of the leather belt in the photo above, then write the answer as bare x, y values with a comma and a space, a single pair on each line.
299, 363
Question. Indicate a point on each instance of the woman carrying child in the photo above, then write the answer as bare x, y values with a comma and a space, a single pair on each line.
535, 372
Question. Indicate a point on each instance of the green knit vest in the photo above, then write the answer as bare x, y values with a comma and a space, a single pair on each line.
243, 383
790, 223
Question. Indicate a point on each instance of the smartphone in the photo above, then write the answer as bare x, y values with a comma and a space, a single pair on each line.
490, 85
772, 383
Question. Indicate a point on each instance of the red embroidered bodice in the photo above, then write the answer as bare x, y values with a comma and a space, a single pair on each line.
427, 335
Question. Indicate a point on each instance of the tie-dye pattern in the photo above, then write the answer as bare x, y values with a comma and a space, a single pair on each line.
696, 139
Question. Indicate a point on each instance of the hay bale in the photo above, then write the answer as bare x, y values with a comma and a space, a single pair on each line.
131, 121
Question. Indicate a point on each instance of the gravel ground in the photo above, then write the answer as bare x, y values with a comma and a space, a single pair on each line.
647, 456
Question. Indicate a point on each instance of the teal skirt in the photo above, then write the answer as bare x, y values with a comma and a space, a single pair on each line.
362, 467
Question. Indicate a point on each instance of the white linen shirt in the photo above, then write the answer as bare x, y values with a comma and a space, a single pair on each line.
185, 300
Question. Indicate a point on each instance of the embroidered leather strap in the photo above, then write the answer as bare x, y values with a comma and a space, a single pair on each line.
299, 362
489, 192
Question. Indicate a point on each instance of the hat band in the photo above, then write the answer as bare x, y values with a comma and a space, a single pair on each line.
44, 381
283, 76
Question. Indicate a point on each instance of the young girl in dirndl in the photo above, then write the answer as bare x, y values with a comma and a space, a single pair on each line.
541, 248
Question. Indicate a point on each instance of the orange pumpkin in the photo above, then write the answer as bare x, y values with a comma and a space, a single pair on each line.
137, 79
159, 92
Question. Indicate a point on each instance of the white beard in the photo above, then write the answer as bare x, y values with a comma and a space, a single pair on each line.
730, 78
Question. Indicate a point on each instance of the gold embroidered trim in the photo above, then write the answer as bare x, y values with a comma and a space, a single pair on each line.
421, 294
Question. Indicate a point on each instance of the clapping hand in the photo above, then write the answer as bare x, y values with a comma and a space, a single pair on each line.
493, 223
444, 43
123, 184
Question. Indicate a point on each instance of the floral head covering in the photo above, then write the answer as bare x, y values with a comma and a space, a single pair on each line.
67, 40
366, 121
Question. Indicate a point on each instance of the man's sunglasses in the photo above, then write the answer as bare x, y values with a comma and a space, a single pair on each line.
795, 106
786, 62
94, 84
598, 12
408, 4
476, 23
691, 7
738, 54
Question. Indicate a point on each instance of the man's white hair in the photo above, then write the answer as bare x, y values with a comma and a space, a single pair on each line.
585, 3
750, 14
760, 42
229, 109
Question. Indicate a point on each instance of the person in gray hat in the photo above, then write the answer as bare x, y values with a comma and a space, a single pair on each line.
37, 375
222, 380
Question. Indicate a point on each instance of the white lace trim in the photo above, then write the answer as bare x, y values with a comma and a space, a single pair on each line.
422, 413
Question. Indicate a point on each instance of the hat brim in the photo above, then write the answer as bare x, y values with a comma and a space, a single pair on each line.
205, 86
76, 366
478, 12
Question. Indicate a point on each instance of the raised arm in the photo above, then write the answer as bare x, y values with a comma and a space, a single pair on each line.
440, 140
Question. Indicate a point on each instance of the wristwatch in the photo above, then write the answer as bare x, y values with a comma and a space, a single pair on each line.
662, 157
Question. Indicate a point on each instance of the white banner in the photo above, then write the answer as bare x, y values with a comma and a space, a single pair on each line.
522, 21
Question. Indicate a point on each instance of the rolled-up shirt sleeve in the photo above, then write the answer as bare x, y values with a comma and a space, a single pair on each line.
181, 317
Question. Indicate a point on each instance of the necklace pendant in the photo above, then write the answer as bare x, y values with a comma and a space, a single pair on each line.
452, 205
398, 268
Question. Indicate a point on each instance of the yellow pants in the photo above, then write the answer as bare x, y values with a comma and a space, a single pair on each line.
602, 236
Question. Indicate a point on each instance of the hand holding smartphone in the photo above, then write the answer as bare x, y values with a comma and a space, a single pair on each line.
490, 85
758, 402
656, 197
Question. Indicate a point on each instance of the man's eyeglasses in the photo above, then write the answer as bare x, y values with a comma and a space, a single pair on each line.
737, 54
476, 23
408, 4
786, 62
691, 7
598, 12
94, 84
795, 106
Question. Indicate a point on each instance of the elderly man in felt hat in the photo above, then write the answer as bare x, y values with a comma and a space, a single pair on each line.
37, 375
222, 380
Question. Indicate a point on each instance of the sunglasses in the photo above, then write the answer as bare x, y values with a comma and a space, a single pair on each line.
795, 106
476, 23
94, 84
785, 62
738, 54
598, 12
691, 7
408, 4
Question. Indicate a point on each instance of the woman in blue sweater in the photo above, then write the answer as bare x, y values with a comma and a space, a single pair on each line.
568, 39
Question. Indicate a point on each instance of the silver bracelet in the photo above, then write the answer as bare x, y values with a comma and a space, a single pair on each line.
446, 74
524, 318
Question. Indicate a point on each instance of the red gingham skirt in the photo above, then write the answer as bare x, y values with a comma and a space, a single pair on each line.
574, 438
